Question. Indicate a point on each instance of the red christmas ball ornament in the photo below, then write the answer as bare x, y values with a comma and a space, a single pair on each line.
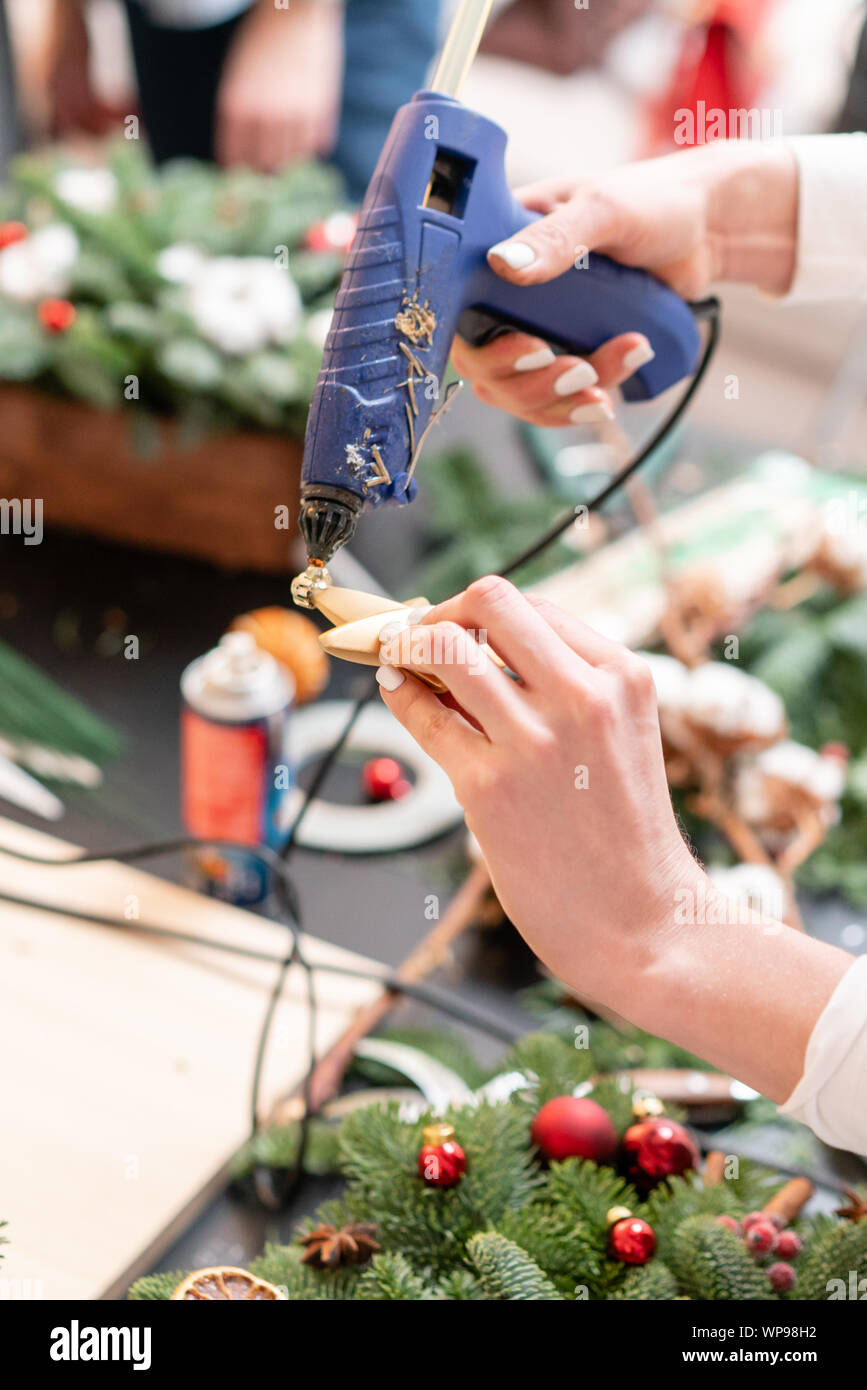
730, 1224
782, 1276
56, 315
656, 1149
574, 1127
761, 1237
441, 1160
632, 1240
789, 1245
383, 780
10, 232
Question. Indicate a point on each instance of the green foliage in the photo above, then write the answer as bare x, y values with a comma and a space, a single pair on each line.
475, 527
132, 323
514, 1229
389, 1278
711, 1262
278, 1148
653, 1282
431, 1225
156, 1288
833, 1250
506, 1271
448, 1048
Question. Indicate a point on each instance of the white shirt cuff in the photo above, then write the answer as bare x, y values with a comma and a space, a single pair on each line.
832, 217
831, 1096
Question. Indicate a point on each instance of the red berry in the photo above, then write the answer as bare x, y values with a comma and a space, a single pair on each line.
381, 777
762, 1237
10, 232
751, 1218
56, 315
574, 1127
789, 1245
730, 1223
782, 1276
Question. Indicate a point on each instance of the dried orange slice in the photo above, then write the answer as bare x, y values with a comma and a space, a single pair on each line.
224, 1282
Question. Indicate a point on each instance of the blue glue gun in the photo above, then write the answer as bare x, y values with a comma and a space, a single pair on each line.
415, 275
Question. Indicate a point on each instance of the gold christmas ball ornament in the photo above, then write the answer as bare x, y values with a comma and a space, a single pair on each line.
293, 640
643, 1107
615, 1214
225, 1283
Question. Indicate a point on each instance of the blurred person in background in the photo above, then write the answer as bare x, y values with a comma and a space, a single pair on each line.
255, 84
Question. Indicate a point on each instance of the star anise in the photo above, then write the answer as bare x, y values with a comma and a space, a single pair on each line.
328, 1248
856, 1204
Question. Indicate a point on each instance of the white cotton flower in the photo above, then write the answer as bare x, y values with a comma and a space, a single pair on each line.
242, 303
754, 886
317, 327
821, 777
39, 265
670, 677
725, 700
180, 263
89, 190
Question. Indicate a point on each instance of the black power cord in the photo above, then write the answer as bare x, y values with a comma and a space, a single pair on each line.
285, 895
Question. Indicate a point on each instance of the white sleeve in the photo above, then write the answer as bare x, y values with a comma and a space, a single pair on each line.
831, 1096
832, 217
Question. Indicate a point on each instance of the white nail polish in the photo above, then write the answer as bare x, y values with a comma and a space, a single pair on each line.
392, 629
576, 378
516, 254
591, 414
532, 361
389, 677
416, 615
637, 356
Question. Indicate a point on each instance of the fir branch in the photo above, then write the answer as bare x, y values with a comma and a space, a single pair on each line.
281, 1265
507, 1272
833, 1250
710, 1262
389, 1278
558, 1066
652, 1282
156, 1287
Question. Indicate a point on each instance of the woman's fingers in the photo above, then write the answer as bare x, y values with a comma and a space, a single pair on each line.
559, 240
595, 649
441, 732
500, 615
448, 651
521, 374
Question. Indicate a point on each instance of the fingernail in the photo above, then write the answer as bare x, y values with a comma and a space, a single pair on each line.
392, 629
416, 615
389, 677
590, 414
577, 378
531, 361
516, 254
637, 356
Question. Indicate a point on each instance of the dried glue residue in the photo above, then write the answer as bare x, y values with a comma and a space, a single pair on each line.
416, 321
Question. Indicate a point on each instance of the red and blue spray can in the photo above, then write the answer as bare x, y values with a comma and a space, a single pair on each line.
235, 762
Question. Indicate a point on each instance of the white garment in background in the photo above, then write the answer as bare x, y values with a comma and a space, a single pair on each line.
832, 217
193, 14
831, 1096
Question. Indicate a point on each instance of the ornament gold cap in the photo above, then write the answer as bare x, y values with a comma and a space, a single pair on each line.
615, 1214
645, 1107
438, 1134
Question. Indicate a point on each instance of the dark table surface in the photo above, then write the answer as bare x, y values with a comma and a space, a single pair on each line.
58, 606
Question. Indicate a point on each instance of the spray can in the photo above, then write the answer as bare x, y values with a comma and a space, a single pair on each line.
235, 765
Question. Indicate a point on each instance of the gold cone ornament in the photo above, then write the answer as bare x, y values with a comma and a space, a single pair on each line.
358, 619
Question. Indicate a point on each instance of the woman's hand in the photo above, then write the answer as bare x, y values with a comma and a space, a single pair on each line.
725, 211
561, 776
279, 97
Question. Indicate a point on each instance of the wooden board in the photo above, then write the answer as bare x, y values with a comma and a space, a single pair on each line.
126, 1064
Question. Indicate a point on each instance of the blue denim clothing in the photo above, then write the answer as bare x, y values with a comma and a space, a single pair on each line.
389, 48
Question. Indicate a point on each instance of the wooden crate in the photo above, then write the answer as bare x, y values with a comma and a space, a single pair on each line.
215, 501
